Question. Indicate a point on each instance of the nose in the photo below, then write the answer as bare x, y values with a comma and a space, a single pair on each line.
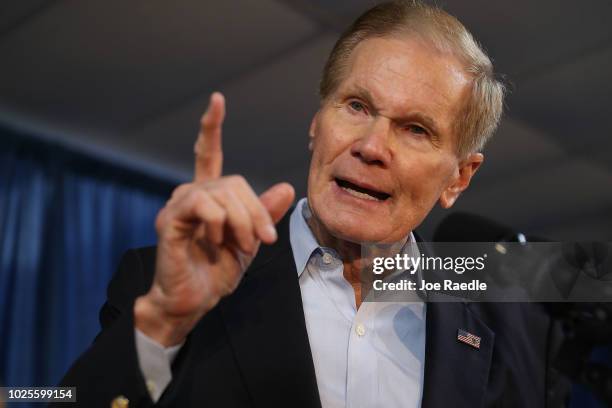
373, 146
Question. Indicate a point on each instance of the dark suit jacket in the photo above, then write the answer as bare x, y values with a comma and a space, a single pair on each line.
252, 350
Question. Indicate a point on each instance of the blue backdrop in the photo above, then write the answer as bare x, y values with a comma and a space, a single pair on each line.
65, 220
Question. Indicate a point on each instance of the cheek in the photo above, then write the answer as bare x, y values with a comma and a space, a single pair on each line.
425, 180
331, 140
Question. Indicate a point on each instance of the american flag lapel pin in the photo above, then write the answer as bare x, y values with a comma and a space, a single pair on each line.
468, 338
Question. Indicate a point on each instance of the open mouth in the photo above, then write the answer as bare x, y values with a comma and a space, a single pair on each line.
361, 192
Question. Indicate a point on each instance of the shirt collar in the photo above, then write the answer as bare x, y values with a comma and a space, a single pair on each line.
303, 242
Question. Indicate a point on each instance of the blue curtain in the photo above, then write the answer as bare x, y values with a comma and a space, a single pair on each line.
65, 220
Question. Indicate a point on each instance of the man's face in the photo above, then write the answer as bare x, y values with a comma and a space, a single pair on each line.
383, 144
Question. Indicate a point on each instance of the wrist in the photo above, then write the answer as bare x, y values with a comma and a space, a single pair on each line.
152, 321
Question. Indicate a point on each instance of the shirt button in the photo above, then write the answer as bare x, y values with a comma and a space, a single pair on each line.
327, 258
360, 330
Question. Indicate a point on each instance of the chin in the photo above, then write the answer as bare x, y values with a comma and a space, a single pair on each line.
351, 228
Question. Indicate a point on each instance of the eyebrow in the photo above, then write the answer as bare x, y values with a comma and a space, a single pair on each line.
363, 93
427, 120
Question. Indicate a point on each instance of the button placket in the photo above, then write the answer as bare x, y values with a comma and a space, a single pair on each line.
361, 362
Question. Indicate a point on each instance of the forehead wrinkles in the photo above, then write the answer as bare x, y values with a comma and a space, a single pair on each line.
405, 73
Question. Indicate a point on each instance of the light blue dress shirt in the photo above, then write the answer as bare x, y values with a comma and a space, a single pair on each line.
373, 356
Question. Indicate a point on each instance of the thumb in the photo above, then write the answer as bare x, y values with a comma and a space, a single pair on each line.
277, 200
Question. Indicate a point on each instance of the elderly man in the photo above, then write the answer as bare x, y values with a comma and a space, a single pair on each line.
240, 305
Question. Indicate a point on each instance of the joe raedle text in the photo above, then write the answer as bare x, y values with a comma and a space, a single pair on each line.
447, 284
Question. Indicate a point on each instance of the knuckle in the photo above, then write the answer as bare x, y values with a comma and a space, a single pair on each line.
222, 193
237, 180
161, 220
206, 185
260, 217
205, 121
209, 127
230, 195
196, 195
198, 199
197, 146
205, 154
180, 190
217, 218
260, 214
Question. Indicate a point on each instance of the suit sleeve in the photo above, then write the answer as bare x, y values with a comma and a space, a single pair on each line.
109, 368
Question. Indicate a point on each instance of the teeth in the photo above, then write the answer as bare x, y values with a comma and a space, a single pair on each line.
359, 194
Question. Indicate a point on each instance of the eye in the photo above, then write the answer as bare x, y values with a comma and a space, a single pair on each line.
416, 129
356, 106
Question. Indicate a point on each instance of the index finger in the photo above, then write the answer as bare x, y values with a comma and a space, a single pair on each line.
207, 149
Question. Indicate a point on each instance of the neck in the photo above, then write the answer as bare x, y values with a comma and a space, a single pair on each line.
350, 253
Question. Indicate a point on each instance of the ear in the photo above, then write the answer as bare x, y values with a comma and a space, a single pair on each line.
467, 169
311, 131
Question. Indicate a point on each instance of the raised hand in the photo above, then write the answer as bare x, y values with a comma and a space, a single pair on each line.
208, 233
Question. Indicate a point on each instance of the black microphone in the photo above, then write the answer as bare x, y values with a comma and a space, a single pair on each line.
565, 265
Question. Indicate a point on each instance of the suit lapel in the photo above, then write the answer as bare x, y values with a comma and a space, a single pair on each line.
456, 374
267, 331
